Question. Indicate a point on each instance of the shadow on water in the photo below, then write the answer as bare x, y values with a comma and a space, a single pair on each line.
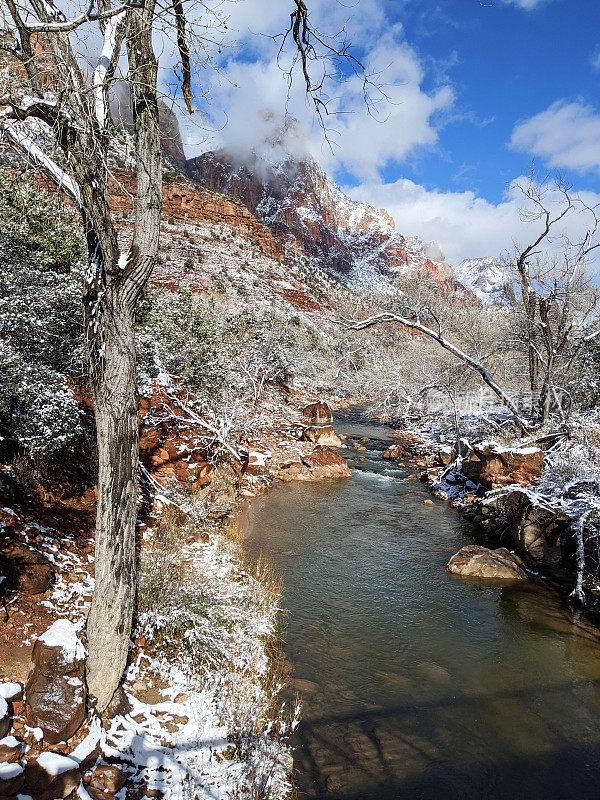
381, 764
416, 684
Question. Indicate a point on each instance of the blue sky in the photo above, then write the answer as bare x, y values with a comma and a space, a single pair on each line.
505, 64
477, 93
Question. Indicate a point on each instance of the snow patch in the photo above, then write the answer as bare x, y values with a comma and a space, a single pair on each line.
62, 634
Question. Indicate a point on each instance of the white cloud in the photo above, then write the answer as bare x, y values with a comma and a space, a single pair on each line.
363, 139
528, 5
566, 135
595, 58
464, 225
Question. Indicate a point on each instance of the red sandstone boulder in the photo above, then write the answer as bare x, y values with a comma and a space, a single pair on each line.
324, 435
394, 452
317, 414
11, 778
55, 693
50, 776
474, 561
493, 466
108, 778
11, 750
325, 463
25, 569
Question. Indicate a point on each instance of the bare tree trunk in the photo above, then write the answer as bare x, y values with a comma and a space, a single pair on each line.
114, 382
116, 412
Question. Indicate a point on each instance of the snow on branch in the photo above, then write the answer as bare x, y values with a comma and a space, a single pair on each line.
70, 25
26, 146
103, 66
415, 324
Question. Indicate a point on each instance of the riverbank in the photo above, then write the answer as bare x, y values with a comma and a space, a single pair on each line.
540, 500
200, 714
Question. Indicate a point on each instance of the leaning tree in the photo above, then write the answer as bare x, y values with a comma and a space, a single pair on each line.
57, 77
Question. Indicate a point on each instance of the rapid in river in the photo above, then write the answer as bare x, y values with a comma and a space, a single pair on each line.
416, 684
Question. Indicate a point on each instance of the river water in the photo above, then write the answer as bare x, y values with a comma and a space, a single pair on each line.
416, 684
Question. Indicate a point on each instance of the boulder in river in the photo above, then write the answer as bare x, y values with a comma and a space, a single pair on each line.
321, 463
474, 561
324, 435
325, 463
317, 414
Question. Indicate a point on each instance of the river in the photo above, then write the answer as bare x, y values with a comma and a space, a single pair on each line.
416, 684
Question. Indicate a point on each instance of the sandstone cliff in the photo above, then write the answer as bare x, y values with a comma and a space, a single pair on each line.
309, 214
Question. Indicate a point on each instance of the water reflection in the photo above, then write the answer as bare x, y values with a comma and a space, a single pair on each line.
416, 684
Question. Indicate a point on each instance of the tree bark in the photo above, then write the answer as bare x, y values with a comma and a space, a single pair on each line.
117, 287
116, 411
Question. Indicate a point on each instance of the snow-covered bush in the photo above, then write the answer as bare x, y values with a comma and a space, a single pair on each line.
575, 459
181, 334
40, 318
219, 356
202, 608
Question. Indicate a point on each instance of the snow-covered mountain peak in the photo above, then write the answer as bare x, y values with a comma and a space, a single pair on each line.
310, 215
488, 280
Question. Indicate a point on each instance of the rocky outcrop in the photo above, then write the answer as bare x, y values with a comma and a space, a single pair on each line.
488, 280
474, 561
55, 693
170, 135
25, 569
169, 449
322, 434
187, 202
317, 414
542, 534
311, 216
494, 467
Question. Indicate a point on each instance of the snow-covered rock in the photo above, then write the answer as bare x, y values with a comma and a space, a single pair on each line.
488, 280
55, 692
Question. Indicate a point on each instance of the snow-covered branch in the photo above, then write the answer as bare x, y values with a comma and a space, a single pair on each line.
70, 25
388, 316
102, 67
25, 145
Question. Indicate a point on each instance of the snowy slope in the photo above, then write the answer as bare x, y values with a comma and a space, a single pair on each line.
487, 279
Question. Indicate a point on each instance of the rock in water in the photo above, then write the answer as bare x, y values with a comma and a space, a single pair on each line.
324, 463
55, 694
25, 569
322, 435
317, 414
474, 561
